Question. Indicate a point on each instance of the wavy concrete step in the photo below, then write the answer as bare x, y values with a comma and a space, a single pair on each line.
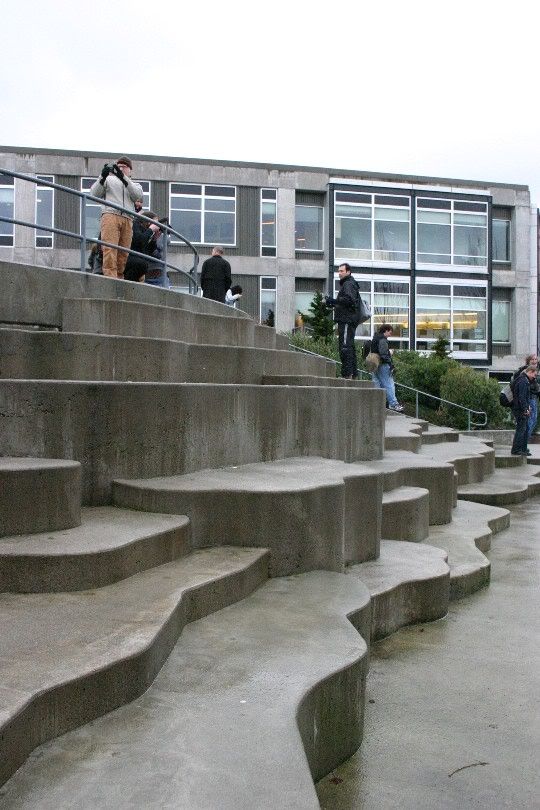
254, 703
312, 512
503, 487
305, 379
402, 435
39, 494
109, 545
473, 460
436, 434
465, 540
130, 318
29, 354
505, 459
68, 658
405, 514
408, 583
133, 430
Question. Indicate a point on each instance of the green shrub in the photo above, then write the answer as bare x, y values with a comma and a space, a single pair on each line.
474, 390
422, 372
319, 319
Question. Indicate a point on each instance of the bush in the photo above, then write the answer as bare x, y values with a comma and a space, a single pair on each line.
473, 390
422, 372
319, 319
325, 347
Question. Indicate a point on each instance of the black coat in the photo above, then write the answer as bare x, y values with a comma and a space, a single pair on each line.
379, 345
522, 394
346, 303
216, 278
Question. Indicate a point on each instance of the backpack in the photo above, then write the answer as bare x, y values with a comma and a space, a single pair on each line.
506, 397
362, 309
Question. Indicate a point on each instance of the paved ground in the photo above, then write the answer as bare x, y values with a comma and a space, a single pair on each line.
453, 713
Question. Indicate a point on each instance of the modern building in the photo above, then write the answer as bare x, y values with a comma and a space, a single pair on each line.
434, 256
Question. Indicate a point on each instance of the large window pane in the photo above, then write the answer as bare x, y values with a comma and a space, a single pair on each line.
309, 227
434, 239
188, 223
501, 240
218, 228
500, 314
7, 208
268, 224
391, 240
470, 241
268, 297
469, 325
204, 214
353, 233
44, 212
92, 210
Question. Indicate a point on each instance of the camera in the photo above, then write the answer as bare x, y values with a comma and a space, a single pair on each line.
112, 167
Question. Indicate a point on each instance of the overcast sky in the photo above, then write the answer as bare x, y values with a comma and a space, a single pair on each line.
417, 87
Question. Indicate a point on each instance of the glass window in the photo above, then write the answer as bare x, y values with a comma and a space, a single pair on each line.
147, 199
204, 214
456, 312
500, 240
308, 233
389, 303
268, 222
267, 311
44, 212
500, 321
451, 232
7, 209
93, 209
378, 231
302, 302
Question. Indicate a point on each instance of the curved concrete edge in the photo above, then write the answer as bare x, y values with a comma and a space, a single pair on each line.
409, 583
503, 488
39, 495
86, 558
416, 471
402, 436
405, 514
53, 709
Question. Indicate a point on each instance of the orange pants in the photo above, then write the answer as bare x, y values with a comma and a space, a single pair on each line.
117, 230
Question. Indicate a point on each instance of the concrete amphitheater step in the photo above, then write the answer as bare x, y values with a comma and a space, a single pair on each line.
130, 318
254, 703
53, 355
312, 512
505, 486
435, 434
402, 434
408, 583
68, 658
405, 514
39, 495
109, 545
504, 458
473, 460
305, 379
465, 540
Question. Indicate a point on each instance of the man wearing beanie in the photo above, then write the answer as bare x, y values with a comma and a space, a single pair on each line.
115, 185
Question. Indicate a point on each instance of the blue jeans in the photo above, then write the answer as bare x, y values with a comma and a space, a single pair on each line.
383, 379
531, 422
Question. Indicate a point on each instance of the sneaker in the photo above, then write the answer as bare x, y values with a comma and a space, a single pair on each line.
398, 408
528, 453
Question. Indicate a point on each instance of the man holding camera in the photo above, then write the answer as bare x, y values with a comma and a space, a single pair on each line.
115, 185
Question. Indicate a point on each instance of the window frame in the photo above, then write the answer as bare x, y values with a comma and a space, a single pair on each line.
451, 210
267, 289
455, 284
203, 196
9, 183
366, 330
373, 204
262, 200
309, 250
46, 235
508, 223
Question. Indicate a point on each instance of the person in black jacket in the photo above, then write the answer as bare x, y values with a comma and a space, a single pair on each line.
382, 377
521, 389
143, 242
216, 276
346, 315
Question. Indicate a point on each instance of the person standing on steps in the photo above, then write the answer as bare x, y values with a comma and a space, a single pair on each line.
216, 276
116, 186
383, 376
531, 360
346, 309
521, 390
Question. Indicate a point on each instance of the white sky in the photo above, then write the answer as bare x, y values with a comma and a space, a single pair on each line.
417, 87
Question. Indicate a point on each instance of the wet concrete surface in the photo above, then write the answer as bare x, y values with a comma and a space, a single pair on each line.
453, 707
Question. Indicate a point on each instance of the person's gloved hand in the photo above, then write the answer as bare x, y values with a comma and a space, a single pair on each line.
104, 173
328, 300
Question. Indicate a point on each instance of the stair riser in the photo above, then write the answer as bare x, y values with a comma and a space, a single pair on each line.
409, 603
438, 481
118, 430
464, 584
503, 462
63, 707
406, 520
411, 443
39, 499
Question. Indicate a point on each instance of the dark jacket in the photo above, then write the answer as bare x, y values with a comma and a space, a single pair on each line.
535, 387
522, 394
346, 303
216, 278
379, 345
141, 241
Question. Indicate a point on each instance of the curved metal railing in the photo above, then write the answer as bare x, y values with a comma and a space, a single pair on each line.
191, 274
416, 391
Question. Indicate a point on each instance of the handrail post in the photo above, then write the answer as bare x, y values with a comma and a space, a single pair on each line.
468, 420
83, 234
417, 407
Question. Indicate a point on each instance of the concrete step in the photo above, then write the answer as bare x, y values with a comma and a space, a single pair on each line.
39, 495
52, 355
503, 487
109, 545
402, 434
133, 430
466, 540
504, 458
130, 318
408, 583
254, 703
435, 434
68, 658
472, 459
305, 379
405, 514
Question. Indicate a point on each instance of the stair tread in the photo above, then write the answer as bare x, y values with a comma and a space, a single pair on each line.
18, 463
399, 563
404, 493
224, 705
504, 480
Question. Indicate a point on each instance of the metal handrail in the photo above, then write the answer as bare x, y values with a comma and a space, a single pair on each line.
84, 240
416, 391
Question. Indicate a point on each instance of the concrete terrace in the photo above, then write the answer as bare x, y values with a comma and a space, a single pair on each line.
202, 533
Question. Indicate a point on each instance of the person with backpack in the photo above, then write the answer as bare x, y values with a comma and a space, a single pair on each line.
346, 307
383, 368
521, 390
531, 360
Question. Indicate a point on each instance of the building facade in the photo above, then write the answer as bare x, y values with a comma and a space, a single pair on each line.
435, 257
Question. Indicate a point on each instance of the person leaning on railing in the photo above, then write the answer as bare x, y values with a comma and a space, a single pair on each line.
116, 186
